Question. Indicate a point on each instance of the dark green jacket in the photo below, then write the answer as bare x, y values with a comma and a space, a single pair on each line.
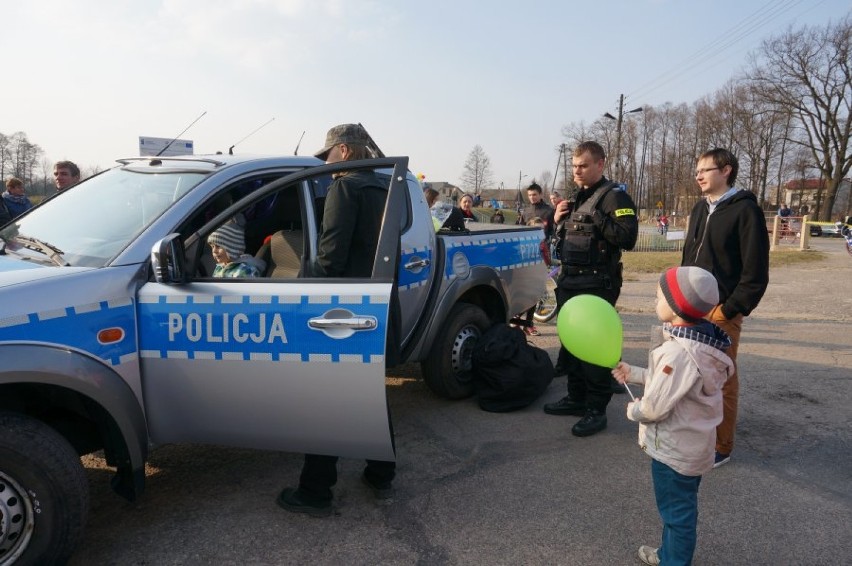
351, 223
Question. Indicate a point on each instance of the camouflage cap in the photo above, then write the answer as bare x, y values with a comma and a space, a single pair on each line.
344, 133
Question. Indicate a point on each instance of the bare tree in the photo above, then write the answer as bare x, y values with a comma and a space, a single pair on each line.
809, 72
545, 180
477, 173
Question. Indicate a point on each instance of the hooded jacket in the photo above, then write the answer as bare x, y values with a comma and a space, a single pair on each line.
682, 402
733, 245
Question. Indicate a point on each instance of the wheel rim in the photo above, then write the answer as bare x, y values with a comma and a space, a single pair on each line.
16, 520
463, 349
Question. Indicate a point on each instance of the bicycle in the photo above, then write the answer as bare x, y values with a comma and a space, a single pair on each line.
545, 309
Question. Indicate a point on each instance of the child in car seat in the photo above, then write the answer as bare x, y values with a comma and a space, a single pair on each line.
228, 244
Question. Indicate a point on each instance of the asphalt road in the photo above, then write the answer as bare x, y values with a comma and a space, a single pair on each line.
518, 488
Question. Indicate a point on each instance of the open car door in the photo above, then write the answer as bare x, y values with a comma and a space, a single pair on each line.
293, 364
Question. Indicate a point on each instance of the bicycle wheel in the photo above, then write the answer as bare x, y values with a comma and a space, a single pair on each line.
545, 309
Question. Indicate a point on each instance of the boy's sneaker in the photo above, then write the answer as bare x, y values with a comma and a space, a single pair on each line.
721, 459
296, 501
649, 555
532, 331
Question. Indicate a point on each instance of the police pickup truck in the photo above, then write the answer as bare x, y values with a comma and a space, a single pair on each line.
114, 336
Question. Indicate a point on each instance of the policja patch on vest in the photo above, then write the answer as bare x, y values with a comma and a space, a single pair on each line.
624, 212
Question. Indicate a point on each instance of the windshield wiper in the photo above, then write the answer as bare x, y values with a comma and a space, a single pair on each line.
54, 253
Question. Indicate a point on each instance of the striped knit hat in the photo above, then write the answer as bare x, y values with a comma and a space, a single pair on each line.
691, 292
231, 237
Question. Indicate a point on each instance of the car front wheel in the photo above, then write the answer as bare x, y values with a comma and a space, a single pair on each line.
44, 493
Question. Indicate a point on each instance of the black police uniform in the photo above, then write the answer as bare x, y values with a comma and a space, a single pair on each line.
591, 244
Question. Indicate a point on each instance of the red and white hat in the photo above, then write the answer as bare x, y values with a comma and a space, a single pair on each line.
691, 292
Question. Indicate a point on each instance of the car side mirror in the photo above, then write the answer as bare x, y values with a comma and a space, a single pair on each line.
168, 260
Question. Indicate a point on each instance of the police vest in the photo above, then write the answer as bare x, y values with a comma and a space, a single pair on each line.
584, 250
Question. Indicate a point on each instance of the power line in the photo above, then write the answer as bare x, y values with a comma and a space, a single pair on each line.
745, 28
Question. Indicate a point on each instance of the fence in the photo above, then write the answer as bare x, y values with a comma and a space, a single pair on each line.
653, 241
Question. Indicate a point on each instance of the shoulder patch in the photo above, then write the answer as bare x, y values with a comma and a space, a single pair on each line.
625, 212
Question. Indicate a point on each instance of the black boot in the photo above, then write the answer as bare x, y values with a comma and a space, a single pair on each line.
592, 422
566, 406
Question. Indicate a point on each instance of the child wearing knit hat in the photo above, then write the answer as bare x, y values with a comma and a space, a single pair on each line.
228, 244
681, 405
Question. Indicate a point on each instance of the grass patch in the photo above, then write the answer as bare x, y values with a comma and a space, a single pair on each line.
656, 262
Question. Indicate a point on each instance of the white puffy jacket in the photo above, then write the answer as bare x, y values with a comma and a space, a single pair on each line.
682, 402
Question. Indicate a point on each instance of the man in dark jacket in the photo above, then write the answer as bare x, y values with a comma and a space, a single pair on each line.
537, 208
603, 223
727, 236
352, 219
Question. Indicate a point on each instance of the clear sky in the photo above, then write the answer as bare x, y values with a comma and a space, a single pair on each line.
85, 78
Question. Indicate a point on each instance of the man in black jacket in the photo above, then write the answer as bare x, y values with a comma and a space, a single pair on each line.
727, 236
603, 223
352, 219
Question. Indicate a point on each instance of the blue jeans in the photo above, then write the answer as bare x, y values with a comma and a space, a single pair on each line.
677, 502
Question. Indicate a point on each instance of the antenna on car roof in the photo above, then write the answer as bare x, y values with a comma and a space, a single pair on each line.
168, 145
371, 144
231, 149
296, 151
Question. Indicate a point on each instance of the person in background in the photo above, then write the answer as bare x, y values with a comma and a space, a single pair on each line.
466, 206
537, 208
5, 215
65, 175
16, 198
352, 220
453, 221
681, 405
603, 223
555, 199
785, 211
228, 244
498, 217
727, 236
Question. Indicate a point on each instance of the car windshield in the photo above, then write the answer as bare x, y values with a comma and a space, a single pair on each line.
92, 222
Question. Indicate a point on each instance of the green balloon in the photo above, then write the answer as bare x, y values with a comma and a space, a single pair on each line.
590, 328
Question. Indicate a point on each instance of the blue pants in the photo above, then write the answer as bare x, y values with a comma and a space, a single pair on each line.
677, 502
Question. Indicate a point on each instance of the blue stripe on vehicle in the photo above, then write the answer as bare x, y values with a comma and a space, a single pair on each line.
77, 327
500, 253
257, 328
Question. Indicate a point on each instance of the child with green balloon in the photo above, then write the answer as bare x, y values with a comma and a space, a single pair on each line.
681, 405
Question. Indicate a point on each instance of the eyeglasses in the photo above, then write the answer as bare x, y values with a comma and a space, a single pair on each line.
702, 171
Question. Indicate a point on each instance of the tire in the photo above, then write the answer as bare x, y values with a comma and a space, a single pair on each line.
448, 370
44, 493
545, 309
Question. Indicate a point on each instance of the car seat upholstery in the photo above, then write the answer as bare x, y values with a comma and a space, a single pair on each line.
283, 254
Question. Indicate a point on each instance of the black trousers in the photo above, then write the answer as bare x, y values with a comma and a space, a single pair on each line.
319, 472
586, 382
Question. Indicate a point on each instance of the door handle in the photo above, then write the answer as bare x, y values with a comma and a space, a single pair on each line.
417, 264
355, 323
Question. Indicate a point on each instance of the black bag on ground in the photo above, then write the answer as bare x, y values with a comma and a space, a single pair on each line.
508, 372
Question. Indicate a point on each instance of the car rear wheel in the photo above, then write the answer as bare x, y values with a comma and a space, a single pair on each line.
448, 370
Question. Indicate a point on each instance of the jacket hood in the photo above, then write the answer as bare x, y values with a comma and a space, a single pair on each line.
702, 343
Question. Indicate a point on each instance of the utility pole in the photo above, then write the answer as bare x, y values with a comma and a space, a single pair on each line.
618, 121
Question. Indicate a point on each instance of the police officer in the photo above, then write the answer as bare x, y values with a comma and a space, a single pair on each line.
602, 223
